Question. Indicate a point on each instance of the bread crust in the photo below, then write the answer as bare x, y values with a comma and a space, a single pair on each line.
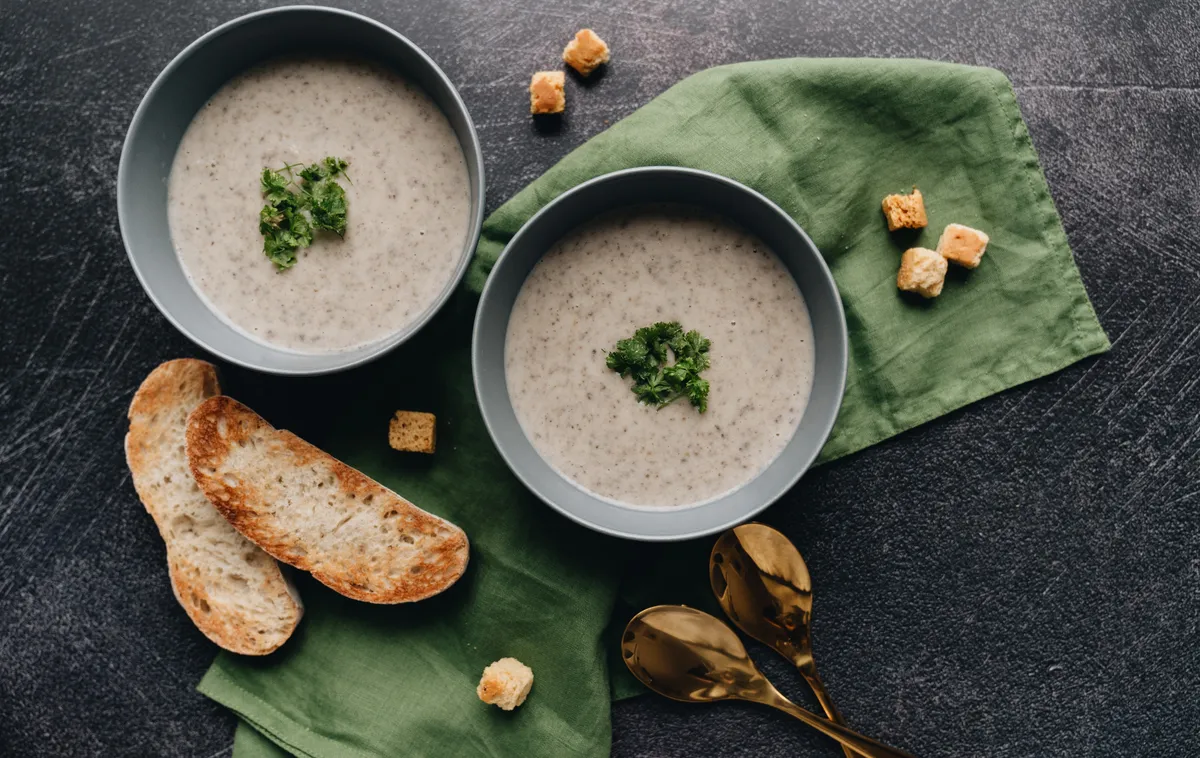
293, 500
235, 594
505, 684
962, 245
585, 52
413, 432
546, 93
905, 211
922, 271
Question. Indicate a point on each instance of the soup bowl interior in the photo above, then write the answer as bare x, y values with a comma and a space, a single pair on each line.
643, 186
184, 87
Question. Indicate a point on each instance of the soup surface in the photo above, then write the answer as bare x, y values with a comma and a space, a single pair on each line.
628, 270
408, 200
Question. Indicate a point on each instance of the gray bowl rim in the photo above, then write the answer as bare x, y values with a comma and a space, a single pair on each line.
386, 344
802, 466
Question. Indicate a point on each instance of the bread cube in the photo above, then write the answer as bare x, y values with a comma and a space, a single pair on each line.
505, 684
905, 211
413, 432
546, 93
922, 271
586, 52
962, 245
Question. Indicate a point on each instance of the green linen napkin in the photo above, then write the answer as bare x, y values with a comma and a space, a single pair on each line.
826, 140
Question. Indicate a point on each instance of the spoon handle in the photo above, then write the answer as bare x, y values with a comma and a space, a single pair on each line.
848, 737
818, 688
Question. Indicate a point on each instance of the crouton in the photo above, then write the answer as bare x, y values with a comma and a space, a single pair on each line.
586, 52
413, 432
505, 684
922, 271
905, 211
962, 245
546, 92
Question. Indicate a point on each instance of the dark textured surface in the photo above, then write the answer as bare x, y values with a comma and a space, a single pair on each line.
1021, 578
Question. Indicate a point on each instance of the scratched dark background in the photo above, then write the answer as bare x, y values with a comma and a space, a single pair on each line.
1021, 578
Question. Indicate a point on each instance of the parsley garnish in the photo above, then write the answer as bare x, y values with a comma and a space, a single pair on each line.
294, 210
644, 357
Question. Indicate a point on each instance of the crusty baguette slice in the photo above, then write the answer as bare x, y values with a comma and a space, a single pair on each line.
309, 509
233, 592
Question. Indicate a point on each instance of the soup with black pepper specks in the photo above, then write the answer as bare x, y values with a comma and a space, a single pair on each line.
408, 203
628, 270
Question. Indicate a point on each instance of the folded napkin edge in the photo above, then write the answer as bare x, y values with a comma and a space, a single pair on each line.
268, 720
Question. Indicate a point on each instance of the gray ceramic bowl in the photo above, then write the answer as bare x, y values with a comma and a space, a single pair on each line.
167, 109
638, 186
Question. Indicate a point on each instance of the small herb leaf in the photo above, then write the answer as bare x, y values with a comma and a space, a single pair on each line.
328, 206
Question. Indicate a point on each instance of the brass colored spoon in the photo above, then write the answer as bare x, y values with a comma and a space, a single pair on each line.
762, 584
688, 655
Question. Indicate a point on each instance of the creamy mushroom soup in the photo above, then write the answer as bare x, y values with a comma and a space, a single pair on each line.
631, 269
407, 194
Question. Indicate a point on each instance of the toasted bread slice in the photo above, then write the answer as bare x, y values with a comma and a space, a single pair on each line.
233, 592
309, 509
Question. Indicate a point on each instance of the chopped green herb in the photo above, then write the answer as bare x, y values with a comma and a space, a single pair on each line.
330, 168
644, 358
275, 186
327, 204
294, 211
697, 390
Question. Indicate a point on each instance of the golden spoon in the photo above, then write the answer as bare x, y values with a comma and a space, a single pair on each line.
762, 584
688, 655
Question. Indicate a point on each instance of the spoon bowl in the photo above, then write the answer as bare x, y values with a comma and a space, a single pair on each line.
762, 583
690, 656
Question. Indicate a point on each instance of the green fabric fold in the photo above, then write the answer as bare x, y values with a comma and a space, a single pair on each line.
826, 140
